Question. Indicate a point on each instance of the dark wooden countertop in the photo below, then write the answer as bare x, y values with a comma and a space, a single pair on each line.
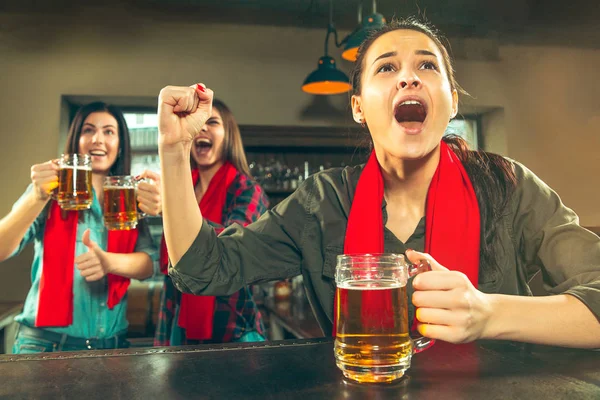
300, 369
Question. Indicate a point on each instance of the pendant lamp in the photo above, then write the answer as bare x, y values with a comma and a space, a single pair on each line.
327, 79
368, 24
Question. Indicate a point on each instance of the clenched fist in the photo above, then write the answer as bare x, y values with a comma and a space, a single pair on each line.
182, 112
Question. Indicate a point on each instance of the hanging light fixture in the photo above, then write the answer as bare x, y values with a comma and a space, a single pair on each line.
368, 24
327, 79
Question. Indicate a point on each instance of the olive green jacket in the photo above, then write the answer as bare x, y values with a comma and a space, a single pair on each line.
305, 233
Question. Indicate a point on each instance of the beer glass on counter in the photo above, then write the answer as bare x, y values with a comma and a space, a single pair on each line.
373, 342
74, 190
120, 204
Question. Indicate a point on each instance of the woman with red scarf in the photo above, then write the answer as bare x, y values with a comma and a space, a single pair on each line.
485, 223
226, 195
80, 271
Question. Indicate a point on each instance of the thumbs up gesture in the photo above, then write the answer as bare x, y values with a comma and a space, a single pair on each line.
92, 265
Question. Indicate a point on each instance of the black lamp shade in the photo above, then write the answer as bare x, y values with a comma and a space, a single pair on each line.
326, 79
369, 24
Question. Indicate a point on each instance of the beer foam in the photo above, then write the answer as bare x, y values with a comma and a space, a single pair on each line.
79, 167
112, 187
371, 285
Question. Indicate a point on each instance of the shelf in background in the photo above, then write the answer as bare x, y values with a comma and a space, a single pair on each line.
312, 138
151, 150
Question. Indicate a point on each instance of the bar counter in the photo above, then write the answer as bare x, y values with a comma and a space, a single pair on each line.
300, 369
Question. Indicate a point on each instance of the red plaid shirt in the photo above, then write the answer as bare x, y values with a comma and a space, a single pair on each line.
236, 314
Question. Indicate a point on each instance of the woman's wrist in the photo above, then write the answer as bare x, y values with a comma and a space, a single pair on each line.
504, 316
175, 154
36, 199
494, 324
108, 261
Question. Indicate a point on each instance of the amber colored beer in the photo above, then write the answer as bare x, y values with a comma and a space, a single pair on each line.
372, 342
74, 187
120, 208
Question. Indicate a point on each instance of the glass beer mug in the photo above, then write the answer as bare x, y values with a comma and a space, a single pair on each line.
373, 342
120, 202
74, 190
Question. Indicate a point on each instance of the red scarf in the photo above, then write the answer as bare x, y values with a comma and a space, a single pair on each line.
196, 313
55, 303
452, 226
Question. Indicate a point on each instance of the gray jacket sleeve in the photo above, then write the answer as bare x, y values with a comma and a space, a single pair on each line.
268, 249
551, 237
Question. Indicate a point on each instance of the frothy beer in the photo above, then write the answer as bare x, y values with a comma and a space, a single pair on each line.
372, 336
120, 207
74, 187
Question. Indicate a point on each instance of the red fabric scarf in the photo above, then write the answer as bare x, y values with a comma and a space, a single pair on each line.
452, 224
196, 313
55, 303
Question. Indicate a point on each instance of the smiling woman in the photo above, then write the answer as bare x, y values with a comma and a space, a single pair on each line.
80, 271
100, 130
100, 139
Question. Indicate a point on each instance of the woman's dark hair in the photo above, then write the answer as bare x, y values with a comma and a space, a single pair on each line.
122, 165
492, 175
494, 182
233, 148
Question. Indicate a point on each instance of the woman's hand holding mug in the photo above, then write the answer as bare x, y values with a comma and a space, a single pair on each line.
45, 179
449, 307
149, 193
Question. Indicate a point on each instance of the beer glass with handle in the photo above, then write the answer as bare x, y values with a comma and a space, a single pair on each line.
373, 342
74, 190
120, 202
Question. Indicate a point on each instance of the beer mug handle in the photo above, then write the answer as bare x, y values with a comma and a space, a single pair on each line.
54, 192
140, 213
420, 343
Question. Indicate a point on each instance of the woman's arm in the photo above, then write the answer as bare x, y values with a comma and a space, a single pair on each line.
181, 215
182, 111
96, 263
451, 309
560, 320
266, 250
14, 226
547, 235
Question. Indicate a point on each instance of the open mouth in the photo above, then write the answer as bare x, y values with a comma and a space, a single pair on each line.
97, 153
411, 114
203, 145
